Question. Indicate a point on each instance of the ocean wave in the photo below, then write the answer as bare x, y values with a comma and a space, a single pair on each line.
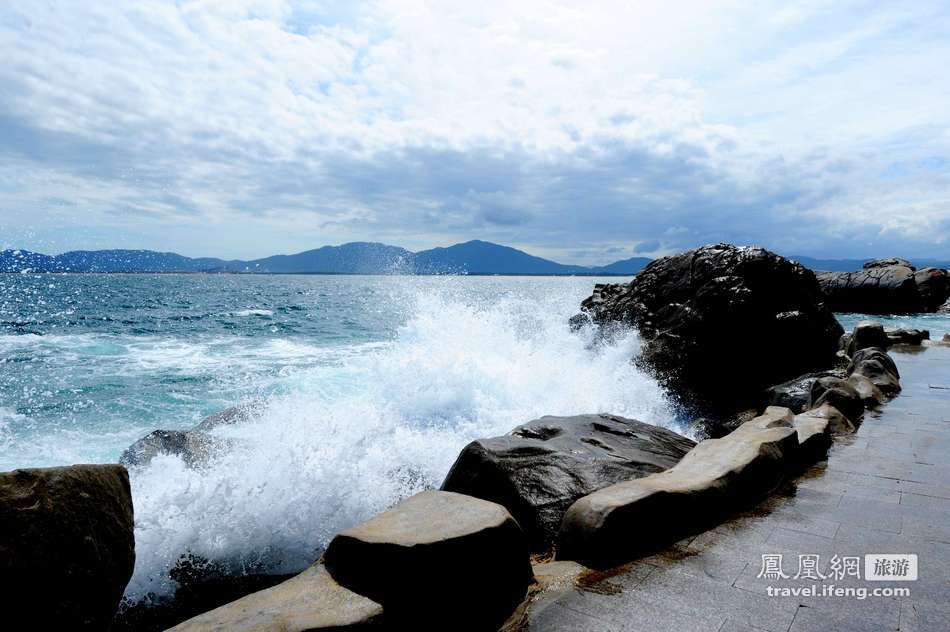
356, 435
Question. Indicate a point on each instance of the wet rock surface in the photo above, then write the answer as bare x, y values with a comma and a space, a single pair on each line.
539, 469
886, 286
704, 315
874, 364
67, 548
193, 446
796, 394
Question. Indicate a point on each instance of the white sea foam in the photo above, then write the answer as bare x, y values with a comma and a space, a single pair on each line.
254, 312
354, 436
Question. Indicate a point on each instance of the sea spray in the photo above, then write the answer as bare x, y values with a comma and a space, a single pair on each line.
346, 440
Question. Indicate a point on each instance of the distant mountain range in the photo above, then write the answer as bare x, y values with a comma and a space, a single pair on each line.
471, 257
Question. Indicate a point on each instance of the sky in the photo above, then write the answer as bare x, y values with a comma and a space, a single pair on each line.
582, 131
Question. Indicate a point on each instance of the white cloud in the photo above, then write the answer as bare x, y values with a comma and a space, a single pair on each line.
557, 125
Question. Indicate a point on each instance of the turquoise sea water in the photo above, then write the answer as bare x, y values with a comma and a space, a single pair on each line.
371, 386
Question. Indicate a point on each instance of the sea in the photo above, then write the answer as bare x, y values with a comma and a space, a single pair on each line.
367, 389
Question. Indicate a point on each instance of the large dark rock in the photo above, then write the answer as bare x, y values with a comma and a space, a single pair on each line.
540, 468
67, 548
933, 285
886, 286
795, 394
436, 561
839, 393
706, 316
912, 337
874, 364
867, 333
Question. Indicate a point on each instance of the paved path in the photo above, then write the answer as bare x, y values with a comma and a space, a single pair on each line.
884, 490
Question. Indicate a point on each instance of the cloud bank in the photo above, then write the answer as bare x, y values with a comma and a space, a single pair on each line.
583, 131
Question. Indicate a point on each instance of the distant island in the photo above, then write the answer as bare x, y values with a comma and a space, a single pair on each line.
474, 257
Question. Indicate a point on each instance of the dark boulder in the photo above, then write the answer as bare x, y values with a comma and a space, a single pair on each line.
540, 468
913, 337
717, 428
795, 394
838, 393
888, 263
67, 548
706, 315
867, 333
886, 286
874, 364
933, 285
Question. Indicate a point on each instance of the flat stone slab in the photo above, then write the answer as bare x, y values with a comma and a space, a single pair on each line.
309, 601
616, 523
436, 559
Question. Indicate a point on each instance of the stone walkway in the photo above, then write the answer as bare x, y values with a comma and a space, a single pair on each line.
884, 490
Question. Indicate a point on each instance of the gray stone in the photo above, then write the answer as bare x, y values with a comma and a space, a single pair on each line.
869, 393
540, 468
839, 393
194, 446
814, 432
796, 394
933, 284
191, 446
309, 601
912, 337
618, 522
434, 560
880, 289
67, 548
867, 333
887, 263
874, 364
838, 423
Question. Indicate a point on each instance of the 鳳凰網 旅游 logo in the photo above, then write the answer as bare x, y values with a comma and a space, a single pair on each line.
822, 572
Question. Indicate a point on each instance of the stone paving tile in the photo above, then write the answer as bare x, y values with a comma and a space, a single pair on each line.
926, 489
733, 626
812, 619
921, 617
884, 490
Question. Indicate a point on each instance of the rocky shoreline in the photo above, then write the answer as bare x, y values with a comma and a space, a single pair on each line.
744, 340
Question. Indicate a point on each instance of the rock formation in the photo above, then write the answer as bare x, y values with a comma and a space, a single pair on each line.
619, 522
707, 315
308, 602
539, 469
193, 446
67, 548
886, 286
436, 561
